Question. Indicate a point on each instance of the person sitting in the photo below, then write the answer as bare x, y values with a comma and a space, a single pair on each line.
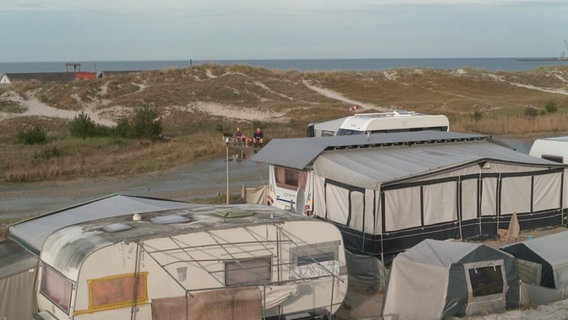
240, 137
257, 137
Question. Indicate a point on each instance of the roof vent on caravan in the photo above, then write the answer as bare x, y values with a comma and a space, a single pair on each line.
117, 227
169, 219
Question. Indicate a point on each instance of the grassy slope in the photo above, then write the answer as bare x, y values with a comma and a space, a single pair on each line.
499, 98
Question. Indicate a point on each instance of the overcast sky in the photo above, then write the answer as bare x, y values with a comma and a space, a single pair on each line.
99, 30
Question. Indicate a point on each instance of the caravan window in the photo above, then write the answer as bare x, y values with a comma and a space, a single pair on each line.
55, 287
312, 261
117, 291
486, 280
558, 159
289, 178
250, 271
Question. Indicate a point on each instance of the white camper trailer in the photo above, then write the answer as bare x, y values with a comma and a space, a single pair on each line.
387, 192
553, 149
200, 262
382, 122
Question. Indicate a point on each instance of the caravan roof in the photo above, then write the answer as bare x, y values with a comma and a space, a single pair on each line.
33, 232
395, 121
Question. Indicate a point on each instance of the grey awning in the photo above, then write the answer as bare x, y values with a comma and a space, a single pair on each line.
299, 153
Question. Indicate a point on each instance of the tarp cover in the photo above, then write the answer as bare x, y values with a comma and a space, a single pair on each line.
227, 304
17, 275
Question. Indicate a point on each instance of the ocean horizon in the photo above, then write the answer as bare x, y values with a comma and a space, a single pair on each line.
303, 65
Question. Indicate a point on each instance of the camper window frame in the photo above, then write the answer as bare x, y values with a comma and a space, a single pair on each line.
300, 255
230, 282
552, 157
290, 183
485, 264
44, 290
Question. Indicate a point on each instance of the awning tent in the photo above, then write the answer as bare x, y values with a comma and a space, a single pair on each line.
387, 192
18, 269
440, 279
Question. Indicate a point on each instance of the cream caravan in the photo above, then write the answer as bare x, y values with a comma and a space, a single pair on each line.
200, 262
553, 149
383, 122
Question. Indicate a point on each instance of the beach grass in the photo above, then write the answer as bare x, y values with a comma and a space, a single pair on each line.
512, 104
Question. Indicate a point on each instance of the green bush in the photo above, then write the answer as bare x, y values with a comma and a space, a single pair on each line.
47, 153
531, 112
122, 128
34, 135
551, 107
147, 123
83, 126
477, 116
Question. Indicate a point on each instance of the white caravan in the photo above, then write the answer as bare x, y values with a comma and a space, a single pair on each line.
382, 122
553, 149
201, 262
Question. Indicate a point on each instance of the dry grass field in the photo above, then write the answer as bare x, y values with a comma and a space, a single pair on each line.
198, 104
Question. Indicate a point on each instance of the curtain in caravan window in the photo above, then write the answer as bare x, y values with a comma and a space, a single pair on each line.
547, 191
402, 209
357, 210
337, 203
515, 195
469, 198
440, 203
489, 197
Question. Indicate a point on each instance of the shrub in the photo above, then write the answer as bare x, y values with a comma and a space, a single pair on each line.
147, 123
47, 153
34, 135
82, 126
530, 112
551, 107
477, 116
123, 128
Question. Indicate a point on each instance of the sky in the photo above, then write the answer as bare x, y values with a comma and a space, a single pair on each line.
110, 30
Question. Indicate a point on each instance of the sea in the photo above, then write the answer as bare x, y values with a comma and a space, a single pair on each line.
303, 65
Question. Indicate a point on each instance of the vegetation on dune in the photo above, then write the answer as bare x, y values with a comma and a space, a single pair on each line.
158, 125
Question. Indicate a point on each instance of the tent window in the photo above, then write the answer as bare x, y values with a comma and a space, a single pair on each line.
486, 280
251, 271
290, 178
56, 288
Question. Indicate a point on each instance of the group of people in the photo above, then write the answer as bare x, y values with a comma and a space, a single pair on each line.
257, 137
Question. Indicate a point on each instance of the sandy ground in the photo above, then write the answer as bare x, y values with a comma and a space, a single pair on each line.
34, 107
